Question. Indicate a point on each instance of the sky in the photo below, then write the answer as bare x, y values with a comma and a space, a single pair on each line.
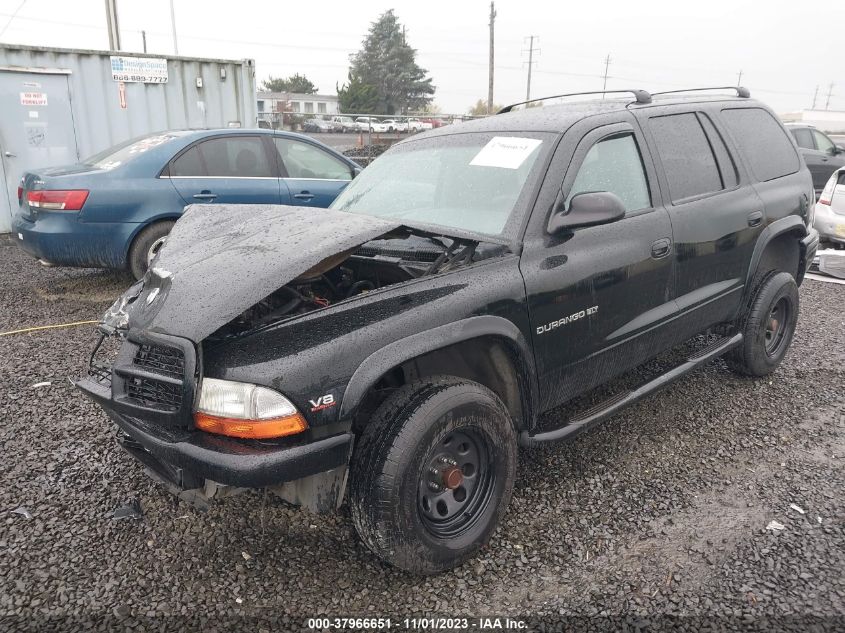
784, 50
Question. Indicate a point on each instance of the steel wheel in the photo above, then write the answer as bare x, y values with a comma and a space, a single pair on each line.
776, 326
455, 483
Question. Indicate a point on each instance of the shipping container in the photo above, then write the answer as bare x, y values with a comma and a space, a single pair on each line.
58, 106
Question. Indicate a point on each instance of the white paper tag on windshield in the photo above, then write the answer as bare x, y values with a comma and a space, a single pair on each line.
508, 152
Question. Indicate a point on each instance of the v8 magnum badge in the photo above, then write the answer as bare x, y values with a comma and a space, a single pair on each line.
323, 402
567, 320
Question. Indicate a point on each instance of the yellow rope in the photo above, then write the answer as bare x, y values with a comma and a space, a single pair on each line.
47, 327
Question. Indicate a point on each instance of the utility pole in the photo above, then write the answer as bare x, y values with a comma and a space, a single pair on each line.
144, 40
606, 67
173, 27
815, 96
829, 95
531, 39
490, 70
113, 27
739, 79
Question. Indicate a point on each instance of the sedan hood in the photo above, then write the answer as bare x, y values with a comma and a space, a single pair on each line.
221, 259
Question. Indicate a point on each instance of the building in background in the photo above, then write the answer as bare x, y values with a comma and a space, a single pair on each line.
830, 121
273, 104
59, 106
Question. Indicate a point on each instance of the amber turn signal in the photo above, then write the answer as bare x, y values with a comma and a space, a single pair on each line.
251, 429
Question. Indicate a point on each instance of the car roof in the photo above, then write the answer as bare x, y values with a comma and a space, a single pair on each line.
559, 117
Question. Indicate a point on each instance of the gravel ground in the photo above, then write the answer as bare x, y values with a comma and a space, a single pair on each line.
655, 519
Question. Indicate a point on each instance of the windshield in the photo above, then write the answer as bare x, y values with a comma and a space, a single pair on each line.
119, 154
471, 182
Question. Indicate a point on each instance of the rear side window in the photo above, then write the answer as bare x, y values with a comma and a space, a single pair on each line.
763, 141
614, 164
804, 138
727, 167
188, 165
236, 156
686, 155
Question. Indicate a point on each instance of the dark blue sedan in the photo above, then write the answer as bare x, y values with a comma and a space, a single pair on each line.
115, 209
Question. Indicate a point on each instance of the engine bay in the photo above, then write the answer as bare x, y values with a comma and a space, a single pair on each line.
379, 263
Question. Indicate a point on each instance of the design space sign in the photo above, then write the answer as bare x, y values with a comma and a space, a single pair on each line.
34, 98
148, 70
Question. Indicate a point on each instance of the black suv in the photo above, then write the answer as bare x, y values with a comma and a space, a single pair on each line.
822, 155
398, 347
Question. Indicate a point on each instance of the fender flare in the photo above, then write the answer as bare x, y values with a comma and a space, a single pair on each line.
379, 362
773, 230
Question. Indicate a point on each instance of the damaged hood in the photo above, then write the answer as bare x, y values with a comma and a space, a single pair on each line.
221, 259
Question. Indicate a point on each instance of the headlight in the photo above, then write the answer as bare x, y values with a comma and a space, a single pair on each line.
240, 409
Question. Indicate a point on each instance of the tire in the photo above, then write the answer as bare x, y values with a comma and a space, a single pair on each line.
768, 327
397, 512
146, 244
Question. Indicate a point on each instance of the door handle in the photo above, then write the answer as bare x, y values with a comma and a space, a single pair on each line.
305, 195
205, 195
660, 248
9, 155
755, 218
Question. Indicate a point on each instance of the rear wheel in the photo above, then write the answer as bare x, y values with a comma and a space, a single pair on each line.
433, 473
146, 246
769, 327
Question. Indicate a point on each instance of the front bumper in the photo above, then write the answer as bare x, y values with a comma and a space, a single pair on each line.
168, 444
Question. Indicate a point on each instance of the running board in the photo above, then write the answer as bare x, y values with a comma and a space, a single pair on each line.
607, 408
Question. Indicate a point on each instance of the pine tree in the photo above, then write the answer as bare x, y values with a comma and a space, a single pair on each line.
357, 97
387, 63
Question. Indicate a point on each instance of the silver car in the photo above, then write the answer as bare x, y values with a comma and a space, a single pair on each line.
830, 210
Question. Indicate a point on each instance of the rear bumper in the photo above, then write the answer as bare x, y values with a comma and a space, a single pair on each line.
60, 238
809, 246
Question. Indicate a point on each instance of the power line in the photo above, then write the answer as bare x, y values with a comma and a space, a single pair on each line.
12, 17
829, 95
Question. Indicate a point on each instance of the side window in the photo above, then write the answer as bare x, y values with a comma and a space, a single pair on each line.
804, 138
763, 142
303, 160
188, 165
686, 155
727, 167
236, 156
823, 142
614, 164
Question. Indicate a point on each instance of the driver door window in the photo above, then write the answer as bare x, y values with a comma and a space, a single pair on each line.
303, 160
823, 143
614, 164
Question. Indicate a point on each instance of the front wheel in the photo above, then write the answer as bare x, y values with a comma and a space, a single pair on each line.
769, 327
433, 473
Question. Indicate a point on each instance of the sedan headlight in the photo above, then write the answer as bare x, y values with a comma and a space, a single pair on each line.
240, 409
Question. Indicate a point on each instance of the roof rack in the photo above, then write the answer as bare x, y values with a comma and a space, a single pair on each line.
641, 96
741, 91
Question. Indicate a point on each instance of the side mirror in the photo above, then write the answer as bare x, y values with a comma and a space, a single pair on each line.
838, 149
587, 209
355, 172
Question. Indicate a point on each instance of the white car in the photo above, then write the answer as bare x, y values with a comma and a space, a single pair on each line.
830, 210
396, 125
415, 125
370, 124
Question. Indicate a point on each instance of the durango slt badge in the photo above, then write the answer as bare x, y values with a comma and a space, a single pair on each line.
567, 319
